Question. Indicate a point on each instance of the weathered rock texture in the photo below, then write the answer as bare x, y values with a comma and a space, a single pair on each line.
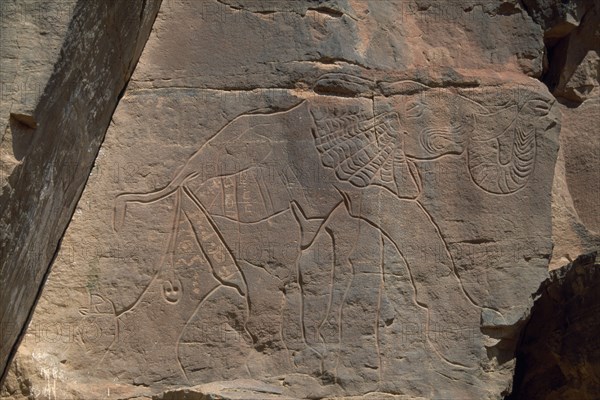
32, 34
572, 37
322, 199
245, 389
558, 357
56, 107
335, 198
575, 204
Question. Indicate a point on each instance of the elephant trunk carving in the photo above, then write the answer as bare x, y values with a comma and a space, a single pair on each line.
486, 166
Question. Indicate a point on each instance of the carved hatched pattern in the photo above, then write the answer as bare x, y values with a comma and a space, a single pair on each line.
497, 177
506, 178
435, 140
358, 148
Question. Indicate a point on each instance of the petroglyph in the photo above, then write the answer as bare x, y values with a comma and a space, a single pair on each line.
365, 153
344, 199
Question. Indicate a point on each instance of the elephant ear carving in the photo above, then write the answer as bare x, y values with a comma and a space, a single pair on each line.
365, 150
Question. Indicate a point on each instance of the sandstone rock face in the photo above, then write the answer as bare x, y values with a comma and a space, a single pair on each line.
558, 356
575, 61
334, 198
243, 389
576, 189
32, 34
557, 18
573, 77
56, 107
572, 38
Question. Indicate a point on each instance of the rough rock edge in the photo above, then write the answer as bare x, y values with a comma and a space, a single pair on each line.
556, 40
74, 47
249, 389
561, 279
549, 16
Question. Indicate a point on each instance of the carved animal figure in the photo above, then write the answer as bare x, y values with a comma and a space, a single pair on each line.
365, 162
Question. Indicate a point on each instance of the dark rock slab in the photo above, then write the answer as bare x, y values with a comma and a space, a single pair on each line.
52, 139
558, 356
